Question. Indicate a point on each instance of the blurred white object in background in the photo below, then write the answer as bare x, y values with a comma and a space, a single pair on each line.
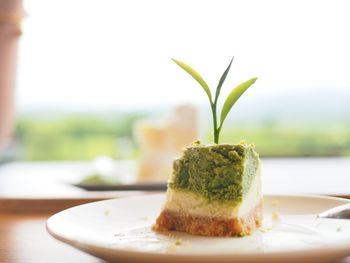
161, 143
11, 14
104, 165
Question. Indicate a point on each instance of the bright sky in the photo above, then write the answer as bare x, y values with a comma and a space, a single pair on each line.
103, 54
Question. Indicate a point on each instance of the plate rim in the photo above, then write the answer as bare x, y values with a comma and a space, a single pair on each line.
339, 250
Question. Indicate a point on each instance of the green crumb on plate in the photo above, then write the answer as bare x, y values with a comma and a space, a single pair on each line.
97, 179
178, 242
264, 229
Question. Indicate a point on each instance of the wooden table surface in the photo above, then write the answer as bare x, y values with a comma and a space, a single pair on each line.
30, 193
23, 238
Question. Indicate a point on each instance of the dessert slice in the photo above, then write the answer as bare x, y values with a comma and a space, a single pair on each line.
215, 190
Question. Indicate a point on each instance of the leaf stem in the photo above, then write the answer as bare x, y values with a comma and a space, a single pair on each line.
215, 123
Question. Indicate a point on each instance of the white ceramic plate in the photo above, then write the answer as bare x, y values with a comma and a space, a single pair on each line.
120, 230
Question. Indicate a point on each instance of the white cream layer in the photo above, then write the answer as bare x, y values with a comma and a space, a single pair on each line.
186, 202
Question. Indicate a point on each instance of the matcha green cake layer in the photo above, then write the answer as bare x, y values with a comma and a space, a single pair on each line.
221, 172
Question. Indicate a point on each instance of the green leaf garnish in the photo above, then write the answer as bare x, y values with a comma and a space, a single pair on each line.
222, 80
196, 76
232, 98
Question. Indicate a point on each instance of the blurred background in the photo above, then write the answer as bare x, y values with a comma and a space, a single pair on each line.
89, 70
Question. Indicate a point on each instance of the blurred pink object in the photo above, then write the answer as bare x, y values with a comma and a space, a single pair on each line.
11, 14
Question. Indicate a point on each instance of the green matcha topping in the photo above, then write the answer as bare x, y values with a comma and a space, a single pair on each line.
218, 172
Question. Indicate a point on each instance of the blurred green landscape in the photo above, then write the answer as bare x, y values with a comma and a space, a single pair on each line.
299, 140
85, 136
75, 137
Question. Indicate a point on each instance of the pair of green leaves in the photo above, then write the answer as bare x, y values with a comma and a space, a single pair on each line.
230, 100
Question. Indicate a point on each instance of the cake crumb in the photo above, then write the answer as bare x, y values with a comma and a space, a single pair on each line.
178, 242
107, 212
339, 229
265, 229
275, 202
145, 218
276, 216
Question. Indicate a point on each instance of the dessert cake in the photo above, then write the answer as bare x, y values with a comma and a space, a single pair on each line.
215, 190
